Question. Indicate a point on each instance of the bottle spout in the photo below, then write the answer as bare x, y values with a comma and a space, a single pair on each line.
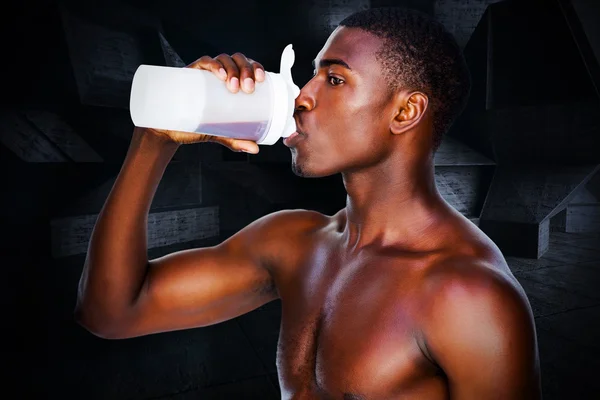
287, 61
285, 69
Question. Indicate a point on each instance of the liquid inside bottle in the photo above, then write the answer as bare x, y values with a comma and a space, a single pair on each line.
248, 130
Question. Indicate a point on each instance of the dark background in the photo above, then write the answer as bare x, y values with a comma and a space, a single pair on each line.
521, 162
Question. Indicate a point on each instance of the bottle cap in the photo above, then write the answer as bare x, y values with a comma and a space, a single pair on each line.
284, 95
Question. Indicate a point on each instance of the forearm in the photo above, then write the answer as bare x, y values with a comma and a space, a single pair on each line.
116, 262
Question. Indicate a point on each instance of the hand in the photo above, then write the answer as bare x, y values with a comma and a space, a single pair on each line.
232, 70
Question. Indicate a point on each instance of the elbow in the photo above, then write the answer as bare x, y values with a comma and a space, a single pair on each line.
102, 327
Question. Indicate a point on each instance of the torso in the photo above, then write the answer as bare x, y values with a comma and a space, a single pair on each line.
350, 325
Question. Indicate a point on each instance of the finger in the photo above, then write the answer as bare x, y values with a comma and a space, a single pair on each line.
246, 72
233, 72
259, 70
210, 64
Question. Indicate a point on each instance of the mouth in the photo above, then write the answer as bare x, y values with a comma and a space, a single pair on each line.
294, 138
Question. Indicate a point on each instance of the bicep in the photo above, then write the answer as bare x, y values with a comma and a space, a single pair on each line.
483, 337
200, 287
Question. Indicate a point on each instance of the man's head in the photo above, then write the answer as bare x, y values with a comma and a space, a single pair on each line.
406, 73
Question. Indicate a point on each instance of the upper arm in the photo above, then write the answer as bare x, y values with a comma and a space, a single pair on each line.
481, 332
199, 287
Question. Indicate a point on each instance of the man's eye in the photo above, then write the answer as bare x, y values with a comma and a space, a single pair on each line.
336, 81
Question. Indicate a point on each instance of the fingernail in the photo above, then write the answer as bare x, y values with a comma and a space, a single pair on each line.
234, 83
223, 73
260, 74
248, 84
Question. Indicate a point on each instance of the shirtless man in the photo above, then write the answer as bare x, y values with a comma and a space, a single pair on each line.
397, 296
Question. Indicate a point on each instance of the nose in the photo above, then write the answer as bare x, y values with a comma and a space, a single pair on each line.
305, 100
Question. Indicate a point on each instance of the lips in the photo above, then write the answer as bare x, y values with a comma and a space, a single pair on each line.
295, 137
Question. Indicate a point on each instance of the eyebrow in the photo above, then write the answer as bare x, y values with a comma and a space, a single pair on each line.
326, 62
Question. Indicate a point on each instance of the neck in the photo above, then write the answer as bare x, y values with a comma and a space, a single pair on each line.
392, 203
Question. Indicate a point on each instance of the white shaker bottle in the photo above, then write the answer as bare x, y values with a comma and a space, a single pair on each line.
193, 100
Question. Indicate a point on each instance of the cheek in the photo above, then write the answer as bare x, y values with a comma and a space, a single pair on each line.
362, 124
350, 118
364, 135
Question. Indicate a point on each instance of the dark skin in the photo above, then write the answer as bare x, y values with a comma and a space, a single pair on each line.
397, 296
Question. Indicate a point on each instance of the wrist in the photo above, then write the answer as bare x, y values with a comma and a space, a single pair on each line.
151, 146
152, 137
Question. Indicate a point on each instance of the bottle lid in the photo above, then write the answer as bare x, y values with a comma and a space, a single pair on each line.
284, 96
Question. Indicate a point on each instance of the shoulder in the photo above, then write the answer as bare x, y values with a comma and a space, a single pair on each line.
289, 221
472, 287
472, 307
476, 317
471, 270
473, 274
278, 238
296, 221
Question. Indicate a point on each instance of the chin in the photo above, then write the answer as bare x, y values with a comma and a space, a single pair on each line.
306, 169
301, 170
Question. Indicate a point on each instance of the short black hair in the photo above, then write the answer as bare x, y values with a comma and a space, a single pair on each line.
418, 53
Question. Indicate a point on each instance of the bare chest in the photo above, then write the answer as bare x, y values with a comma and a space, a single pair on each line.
351, 332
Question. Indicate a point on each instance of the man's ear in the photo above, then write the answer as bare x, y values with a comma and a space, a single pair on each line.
411, 107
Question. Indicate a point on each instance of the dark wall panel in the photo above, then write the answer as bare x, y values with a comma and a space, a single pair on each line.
65, 130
